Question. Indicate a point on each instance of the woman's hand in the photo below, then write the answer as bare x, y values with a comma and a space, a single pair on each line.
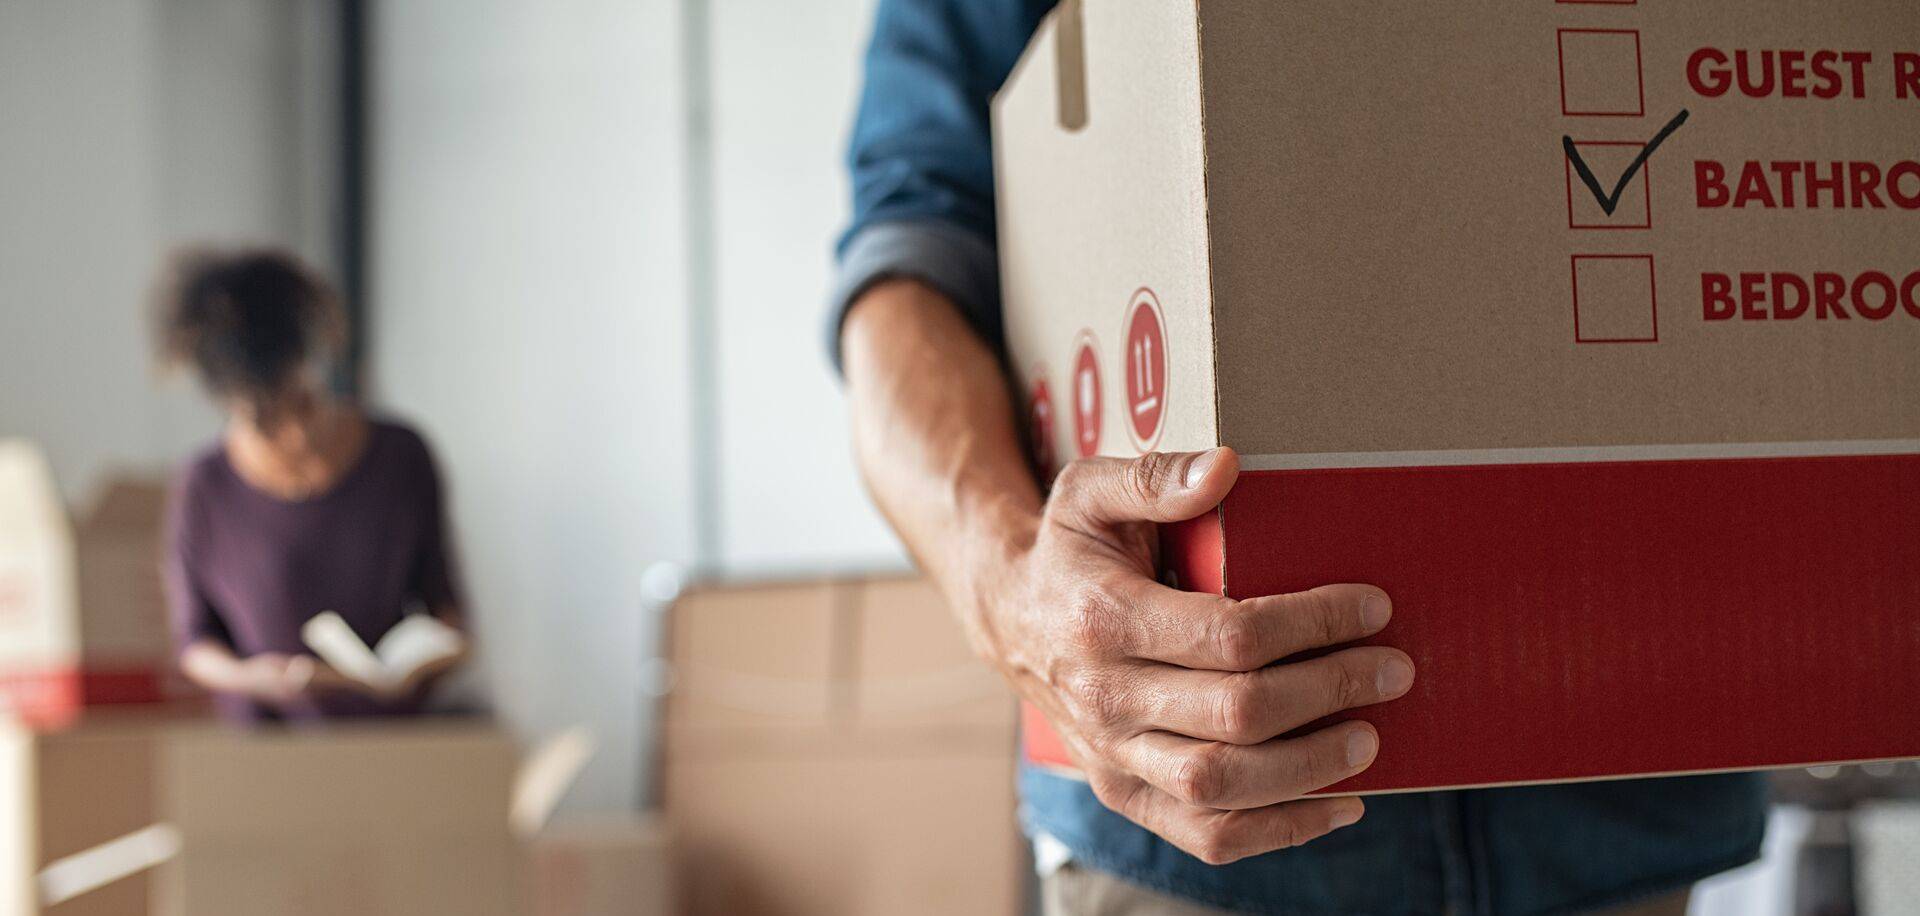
276, 677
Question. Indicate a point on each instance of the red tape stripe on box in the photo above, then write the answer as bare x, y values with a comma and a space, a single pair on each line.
1585, 620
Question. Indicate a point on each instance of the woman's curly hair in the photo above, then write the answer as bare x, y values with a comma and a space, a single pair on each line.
245, 320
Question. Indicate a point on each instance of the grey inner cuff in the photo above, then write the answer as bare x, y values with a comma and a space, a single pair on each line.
959, 263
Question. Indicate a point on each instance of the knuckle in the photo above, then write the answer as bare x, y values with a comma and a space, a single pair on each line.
1200, 777
1287, 834
1111, 790
1237, 711
1318, 767
1325, 622
1214, 843
1350, 687
1091, 623
1073, 478
1094, 698
1236, 641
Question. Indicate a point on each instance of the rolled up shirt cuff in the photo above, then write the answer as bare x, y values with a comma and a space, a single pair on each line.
959, 263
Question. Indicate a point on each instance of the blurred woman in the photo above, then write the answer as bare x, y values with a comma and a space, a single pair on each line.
304, 505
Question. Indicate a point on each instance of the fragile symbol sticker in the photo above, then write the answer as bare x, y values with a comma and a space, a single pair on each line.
1086, 397
1146, 370
1040, 420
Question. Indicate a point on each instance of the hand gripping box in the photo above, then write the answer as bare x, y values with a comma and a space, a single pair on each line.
1590, 331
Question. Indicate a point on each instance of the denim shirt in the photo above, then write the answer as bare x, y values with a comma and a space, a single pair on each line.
922, 168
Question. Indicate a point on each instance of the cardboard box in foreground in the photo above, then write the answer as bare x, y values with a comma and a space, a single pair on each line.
603, 866
1638, 457
66, 792
380, 820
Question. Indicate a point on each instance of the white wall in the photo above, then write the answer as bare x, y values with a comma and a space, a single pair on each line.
130, 126
528, 300
532, 307
785, 75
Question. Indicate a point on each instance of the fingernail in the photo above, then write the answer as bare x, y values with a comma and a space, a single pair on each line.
1197, 469
1395, 677
1360, 746
1375, 612
1347, 816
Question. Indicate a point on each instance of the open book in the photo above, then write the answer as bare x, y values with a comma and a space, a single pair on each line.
412, 644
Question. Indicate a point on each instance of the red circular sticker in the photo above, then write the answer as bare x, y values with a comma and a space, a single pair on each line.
1086, 397
1040, 423
1146, 372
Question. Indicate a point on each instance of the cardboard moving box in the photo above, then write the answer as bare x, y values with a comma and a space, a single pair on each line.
608, 865
832, 747
1589, 331
39, 637
66, 792
138, 813
374, 819
126, 653
82, 615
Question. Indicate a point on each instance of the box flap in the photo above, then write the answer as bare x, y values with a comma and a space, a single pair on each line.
350, 783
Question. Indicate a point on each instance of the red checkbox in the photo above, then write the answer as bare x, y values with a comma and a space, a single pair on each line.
1600, 73
1614, 299
1608, 160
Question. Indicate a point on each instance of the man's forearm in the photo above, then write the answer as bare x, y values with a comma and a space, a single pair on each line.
934, 433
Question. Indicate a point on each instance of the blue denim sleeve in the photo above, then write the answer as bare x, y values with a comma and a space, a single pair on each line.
921, 155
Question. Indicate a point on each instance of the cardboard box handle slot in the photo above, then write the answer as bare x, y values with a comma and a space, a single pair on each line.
1070, 62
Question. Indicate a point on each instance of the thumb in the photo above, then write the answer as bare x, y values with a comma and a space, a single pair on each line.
1155, 487
298, 673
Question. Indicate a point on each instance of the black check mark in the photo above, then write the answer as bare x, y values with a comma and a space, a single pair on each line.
1611, 202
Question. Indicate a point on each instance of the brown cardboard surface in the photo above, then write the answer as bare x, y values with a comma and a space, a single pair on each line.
377, 876
65, 792
95, 785
1125, 189
914, 664
757, 655
123, 623
372, 819
420, 779
608, 865
896, 799
1394, 238
838, 834
1392, 258
392, 819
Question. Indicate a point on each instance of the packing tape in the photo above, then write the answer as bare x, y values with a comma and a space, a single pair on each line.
69, 877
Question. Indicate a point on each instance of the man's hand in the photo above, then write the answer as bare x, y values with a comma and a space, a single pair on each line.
1170, 700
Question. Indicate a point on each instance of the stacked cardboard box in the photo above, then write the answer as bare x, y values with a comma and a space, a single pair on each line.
82, 615
833, 748
39, 636
125, 652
